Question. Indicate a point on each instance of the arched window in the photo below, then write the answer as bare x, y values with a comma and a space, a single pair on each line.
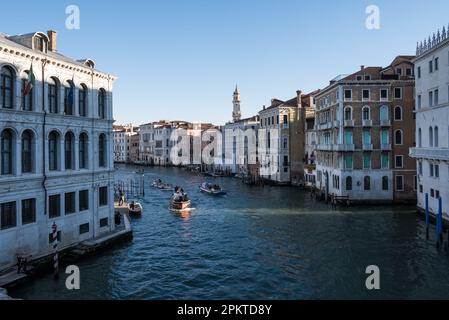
7, 151
82, 97
398, 113
435, 137
367, 183
348, 113
69, 96
27, 151
348, 183
83, 155
27, 93
7, 88
53, 96
398, 137
430, 137
102, 150
53, 142
419, 137
384, 113
68, 151
102, 104
366, 113
384, 183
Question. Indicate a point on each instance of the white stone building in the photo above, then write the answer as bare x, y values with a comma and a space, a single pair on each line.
432, 122
122, 142
56, 156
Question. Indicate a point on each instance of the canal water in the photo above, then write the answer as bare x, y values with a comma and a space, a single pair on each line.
258, 243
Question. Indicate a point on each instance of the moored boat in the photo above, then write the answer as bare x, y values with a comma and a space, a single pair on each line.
212, 189
135, 209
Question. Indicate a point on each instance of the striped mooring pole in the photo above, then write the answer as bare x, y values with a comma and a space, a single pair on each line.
54, 228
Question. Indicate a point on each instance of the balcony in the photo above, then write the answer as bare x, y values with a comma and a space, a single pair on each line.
367, 123
385, 146
349, 123
367, 147
344, 147
336, 123
430, 153
385, 123
324, 147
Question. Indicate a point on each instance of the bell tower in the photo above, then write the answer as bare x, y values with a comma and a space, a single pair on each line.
236, 115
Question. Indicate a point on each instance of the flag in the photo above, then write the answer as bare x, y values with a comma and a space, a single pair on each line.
29, 83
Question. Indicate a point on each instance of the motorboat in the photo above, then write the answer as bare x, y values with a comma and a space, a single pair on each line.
212, 189
135, 209
158, 184
180, 202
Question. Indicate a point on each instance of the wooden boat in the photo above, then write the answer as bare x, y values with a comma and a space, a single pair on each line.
180, 203
212, 189
162, 186
135, 209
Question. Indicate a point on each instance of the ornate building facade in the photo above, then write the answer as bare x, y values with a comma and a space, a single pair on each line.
56, 147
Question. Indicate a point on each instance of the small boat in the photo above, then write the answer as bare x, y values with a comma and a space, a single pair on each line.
135, 209
212, 189
180, 203
158, 184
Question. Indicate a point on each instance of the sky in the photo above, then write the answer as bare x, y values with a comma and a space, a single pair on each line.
181, 59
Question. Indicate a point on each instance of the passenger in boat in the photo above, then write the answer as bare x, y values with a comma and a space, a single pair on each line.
132, 205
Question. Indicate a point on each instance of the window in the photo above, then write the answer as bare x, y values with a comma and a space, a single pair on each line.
104, 222
84, 200
366, 113
53, 88
430, 66
430, 137
103, 199
84, 228
68, 98
408, 72
27, 151
348, 94
365, 94
83, 147
384, 138
359, 78
7, 80
102, 150
383, 94
431, 170
69, 201
420, 168
384, 113
28, 211
348, 113
436, 97
366, 137
398, 93
348, 183
285, 119
54, 206
431, 99
419, 72
399, 183
436, 64
367, 183
7, 152
367, 78
53, 141
102, 104
399, 71
8, 215
348, 161
27, 100
385, 161
421, 189
437, 194
385, 183
285, 163
399, 162
419, 138
398, 137
39, 44
82, 101
69, 154
435, 137
398, 113
348, 137
366, 161
285, 143
419, 102
437, 170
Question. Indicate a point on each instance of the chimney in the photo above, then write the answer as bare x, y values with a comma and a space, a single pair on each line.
52, 36
362, 67
299, 98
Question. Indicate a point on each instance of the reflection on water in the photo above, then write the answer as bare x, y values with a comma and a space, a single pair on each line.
258, 243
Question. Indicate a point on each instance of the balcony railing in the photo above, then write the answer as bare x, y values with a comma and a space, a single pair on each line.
430, 153
324, 147
385, 146
367, 147
385, 123
367, 123
344, 147
349, 123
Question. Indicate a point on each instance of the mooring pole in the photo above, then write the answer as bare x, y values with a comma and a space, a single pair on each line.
427, 216
440, 218
55, 251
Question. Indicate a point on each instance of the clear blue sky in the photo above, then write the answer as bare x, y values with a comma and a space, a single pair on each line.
181, 59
